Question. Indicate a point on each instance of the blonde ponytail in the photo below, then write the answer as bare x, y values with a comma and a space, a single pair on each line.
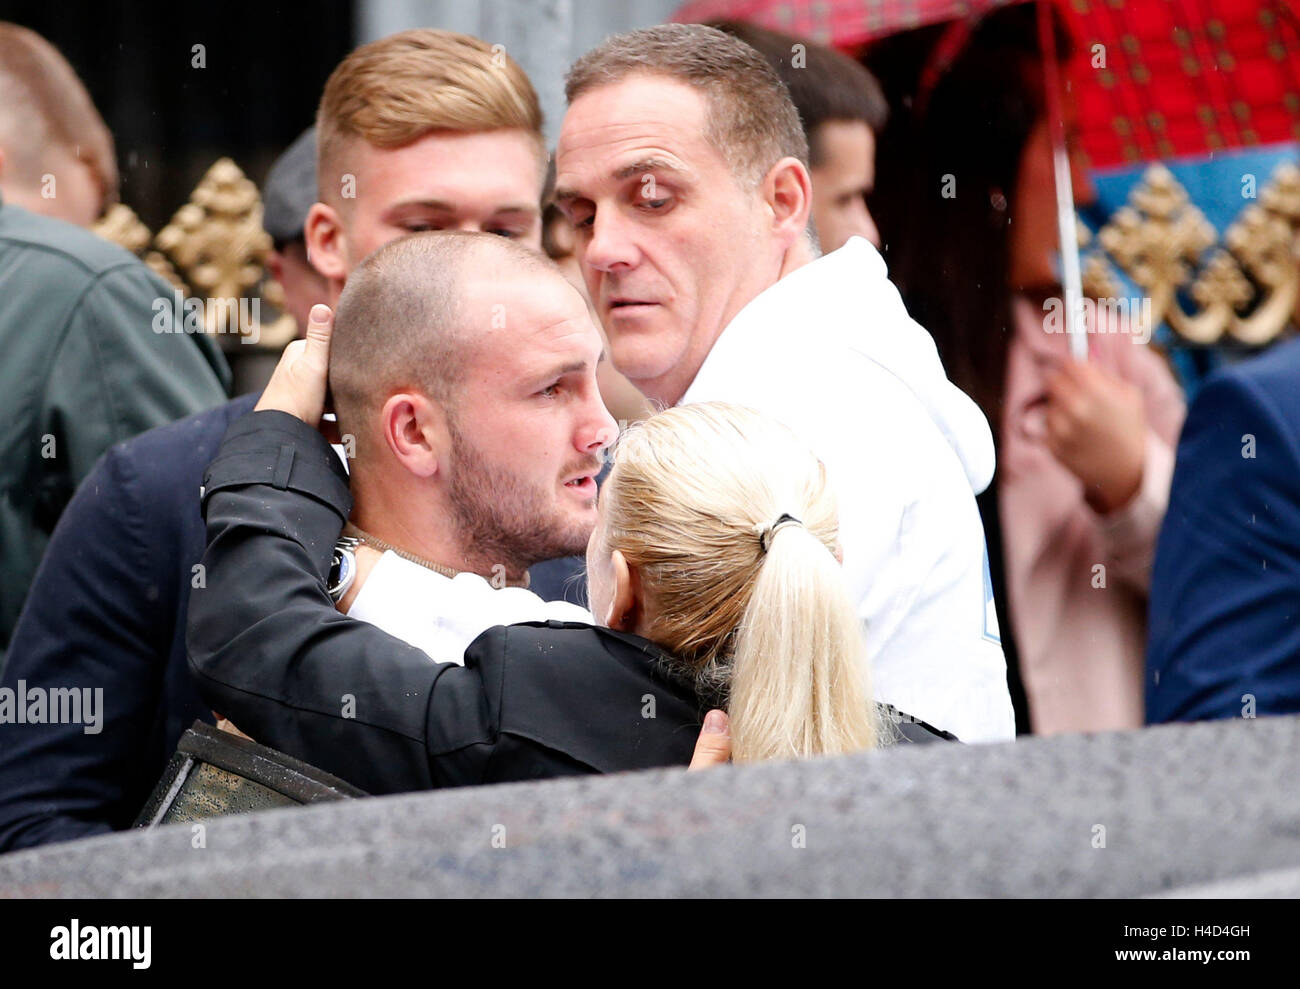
816, 698
758, 613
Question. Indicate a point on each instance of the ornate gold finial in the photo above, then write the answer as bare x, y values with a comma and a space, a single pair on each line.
121, 225
218, 239
1160, 241
1099, 278
1158, 238
1263, 241
1220, 290
217, 242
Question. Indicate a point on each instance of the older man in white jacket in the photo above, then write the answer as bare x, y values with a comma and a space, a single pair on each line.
682, 164
830, 351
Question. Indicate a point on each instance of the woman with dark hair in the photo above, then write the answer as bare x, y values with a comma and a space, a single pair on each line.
1085, 449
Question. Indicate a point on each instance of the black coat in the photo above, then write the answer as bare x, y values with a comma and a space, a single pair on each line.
271, 653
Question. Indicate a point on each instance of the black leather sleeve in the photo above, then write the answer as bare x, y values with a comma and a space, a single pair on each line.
270, 652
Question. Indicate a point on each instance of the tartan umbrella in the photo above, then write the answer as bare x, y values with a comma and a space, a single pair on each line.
1179, 81
1171, 78
851, 24
843, 23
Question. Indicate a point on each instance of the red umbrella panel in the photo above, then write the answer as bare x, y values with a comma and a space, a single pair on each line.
1163, 79
1189, 116
846, 24
1155, 79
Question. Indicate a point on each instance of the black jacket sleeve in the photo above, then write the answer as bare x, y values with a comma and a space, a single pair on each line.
271, 653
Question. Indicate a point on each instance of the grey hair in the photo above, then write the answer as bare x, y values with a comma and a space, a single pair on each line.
750, 118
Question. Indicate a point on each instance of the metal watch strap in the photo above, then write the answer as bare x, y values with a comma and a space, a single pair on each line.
343, 568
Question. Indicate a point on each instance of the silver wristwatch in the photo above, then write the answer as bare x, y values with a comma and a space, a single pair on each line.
343, 567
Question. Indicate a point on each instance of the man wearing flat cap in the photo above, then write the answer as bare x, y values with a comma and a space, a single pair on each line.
290, 192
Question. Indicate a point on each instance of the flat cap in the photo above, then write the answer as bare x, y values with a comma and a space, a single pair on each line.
290, 189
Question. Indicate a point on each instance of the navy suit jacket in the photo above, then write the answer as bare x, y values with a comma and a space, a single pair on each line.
1224, 621
107, 609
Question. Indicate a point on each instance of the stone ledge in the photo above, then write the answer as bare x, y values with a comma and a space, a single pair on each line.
1182, 806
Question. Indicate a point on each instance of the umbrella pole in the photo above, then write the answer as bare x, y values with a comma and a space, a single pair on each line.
1071, 278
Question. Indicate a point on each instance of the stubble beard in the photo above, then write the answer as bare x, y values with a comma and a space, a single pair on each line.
501, 519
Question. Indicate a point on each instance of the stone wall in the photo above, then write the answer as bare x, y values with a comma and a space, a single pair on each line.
1185, 809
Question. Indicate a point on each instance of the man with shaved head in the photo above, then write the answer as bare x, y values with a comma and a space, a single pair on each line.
476, 429
421, 130
463, 370
56, 154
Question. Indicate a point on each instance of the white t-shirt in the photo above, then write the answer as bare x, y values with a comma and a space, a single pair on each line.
831, 352
443, 615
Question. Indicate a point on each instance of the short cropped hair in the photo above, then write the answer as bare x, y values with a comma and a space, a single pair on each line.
750, 118
401, 321
43, 105
396, 90
824, 84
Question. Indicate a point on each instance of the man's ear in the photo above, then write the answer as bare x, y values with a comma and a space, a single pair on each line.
326, 244
275, 264
625, 603
415, 430
787, 190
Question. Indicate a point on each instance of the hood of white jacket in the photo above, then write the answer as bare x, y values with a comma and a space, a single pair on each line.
847, 299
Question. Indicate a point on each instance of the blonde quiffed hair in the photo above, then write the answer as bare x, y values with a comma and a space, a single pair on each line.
690, 502
396, 90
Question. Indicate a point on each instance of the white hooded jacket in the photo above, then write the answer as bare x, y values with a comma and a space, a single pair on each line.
830, 351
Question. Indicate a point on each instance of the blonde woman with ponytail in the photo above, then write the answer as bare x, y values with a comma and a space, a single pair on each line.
717, 541
714, 577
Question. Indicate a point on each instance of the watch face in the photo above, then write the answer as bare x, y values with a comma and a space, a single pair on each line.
343, 570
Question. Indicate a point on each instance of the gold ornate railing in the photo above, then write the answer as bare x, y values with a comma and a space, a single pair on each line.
1246, 288
213, 247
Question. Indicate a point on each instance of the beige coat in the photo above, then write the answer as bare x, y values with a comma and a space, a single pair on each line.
1076, 581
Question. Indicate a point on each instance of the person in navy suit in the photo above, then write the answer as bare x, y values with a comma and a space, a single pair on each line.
107, 605
107, 609
1224, 639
